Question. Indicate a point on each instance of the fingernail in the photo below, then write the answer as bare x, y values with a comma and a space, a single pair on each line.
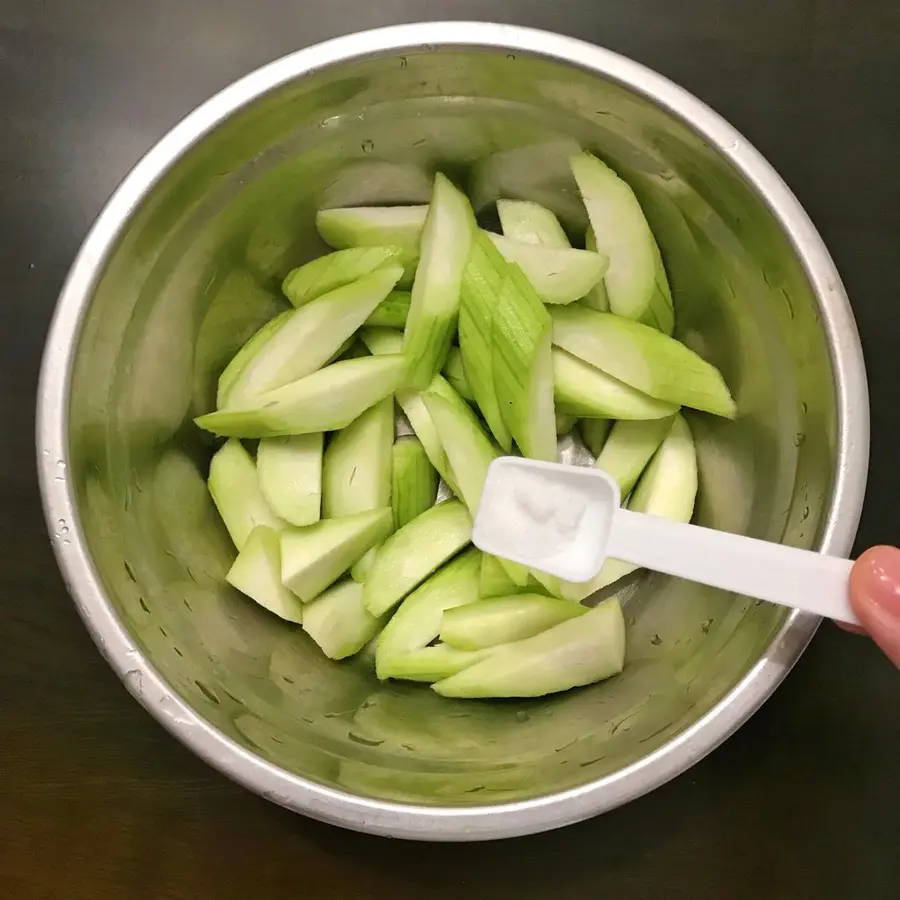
875, 596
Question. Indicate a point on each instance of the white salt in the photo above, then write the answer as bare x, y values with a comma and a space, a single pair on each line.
537, 515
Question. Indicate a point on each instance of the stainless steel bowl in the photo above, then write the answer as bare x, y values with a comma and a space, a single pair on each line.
184, 263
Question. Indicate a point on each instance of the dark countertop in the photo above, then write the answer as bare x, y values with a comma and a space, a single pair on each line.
97, 801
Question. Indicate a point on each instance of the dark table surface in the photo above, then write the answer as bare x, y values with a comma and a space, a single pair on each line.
97, 801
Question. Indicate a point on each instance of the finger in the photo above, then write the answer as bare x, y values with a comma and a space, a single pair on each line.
875, 597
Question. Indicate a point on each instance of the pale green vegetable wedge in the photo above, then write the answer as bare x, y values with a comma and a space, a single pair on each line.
574, 653
257, 573
334, 270
523, 368
247, 353
596, 297
500, 620
559, 275
234, 486
435, 663
418, 619
356, 470
290, 476
531, 223
584, 390
629, 449
385, 341
482, 281
434, 304
470, 452
375, 226
339, 622
594, 433
392, 312
635, 282
493, 580
413, 552
468, 448
310, 337
564, 423
499, 297
382, 341
549, 584
327, 400
414, 481
668, 489
455, 373
314, 557
413, 405
643, 358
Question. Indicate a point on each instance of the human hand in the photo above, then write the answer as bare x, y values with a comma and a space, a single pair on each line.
875, 597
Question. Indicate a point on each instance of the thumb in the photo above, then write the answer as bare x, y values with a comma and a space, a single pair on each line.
875, 597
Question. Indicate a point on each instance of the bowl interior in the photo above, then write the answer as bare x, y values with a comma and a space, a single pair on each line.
197, 269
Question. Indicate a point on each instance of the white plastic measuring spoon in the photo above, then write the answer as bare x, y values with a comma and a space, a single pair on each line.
566, 521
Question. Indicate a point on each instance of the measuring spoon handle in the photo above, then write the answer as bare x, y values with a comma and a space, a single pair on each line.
785, 575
